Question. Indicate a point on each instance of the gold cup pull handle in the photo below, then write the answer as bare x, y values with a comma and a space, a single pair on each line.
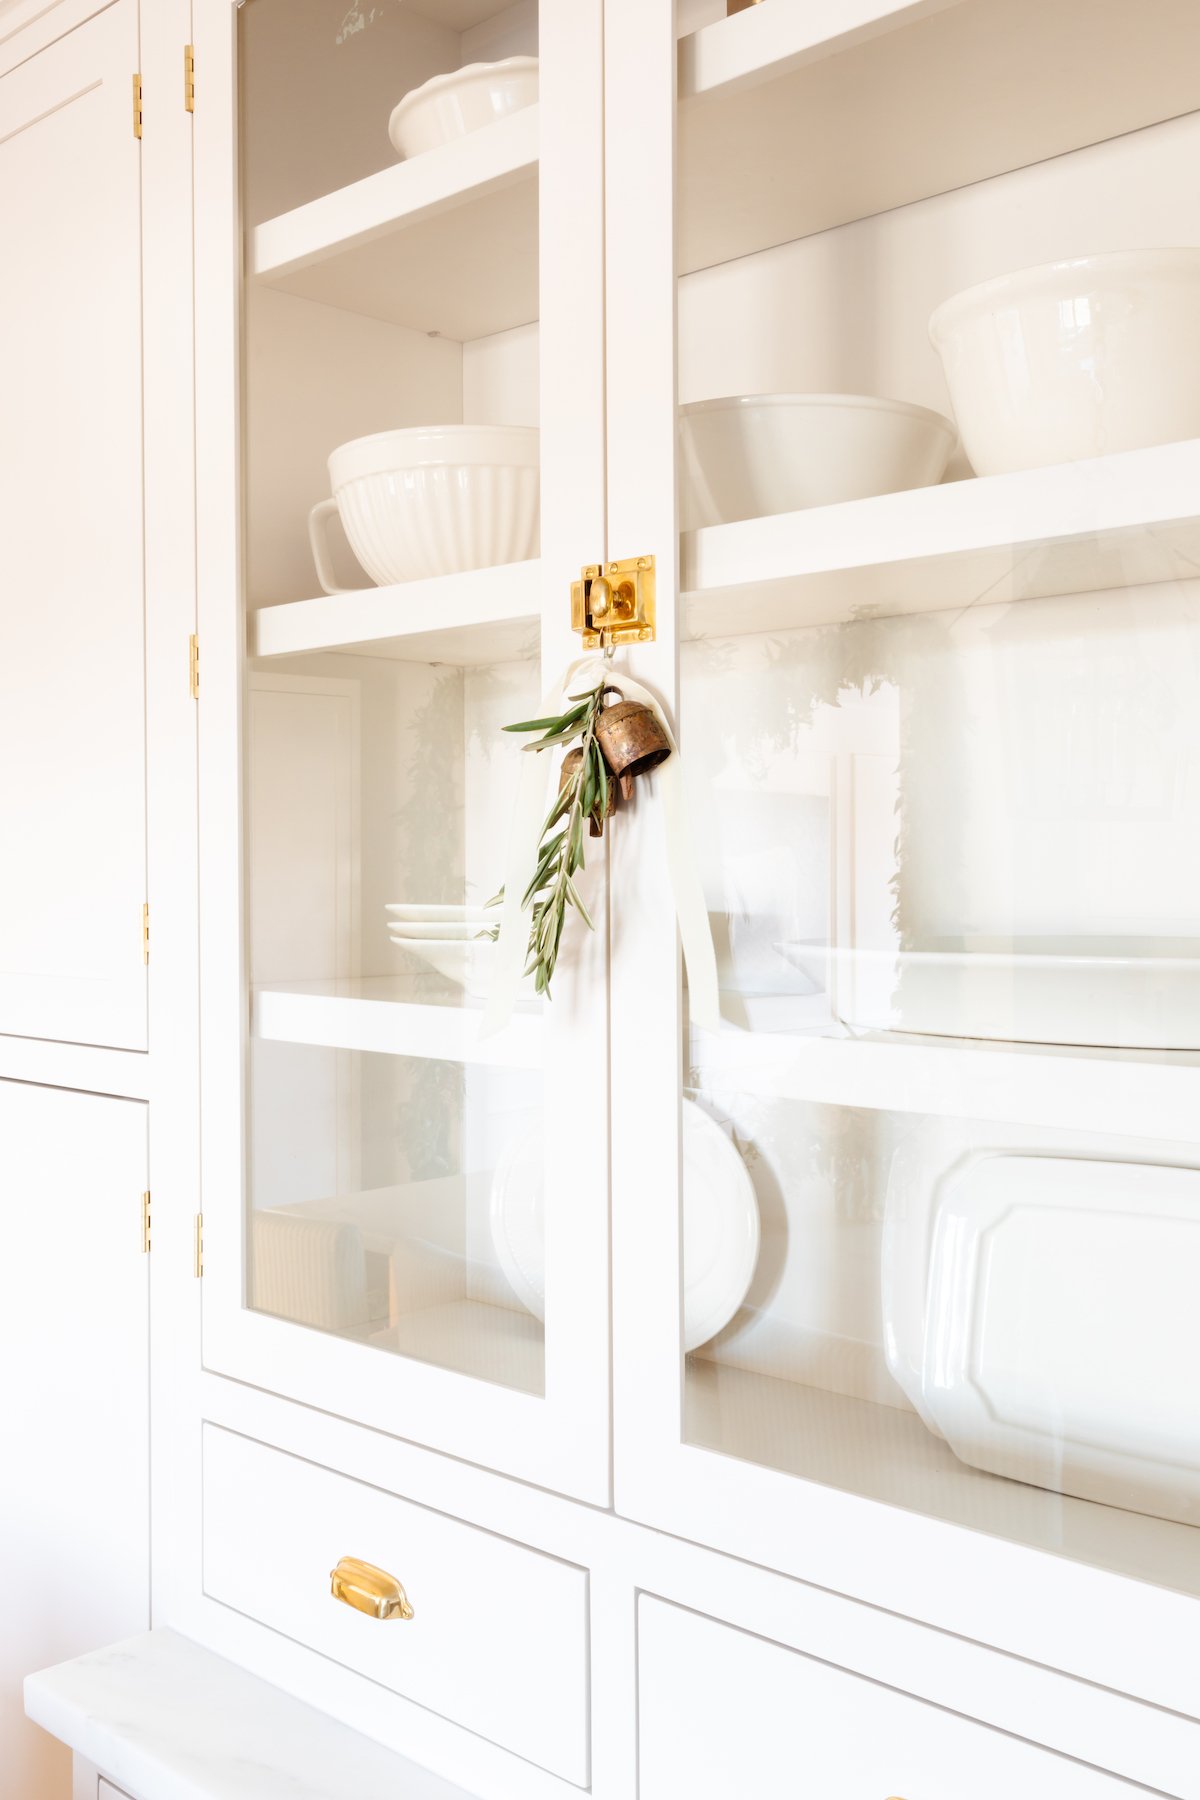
369, 1590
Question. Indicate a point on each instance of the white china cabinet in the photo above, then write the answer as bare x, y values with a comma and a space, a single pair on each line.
774, 1367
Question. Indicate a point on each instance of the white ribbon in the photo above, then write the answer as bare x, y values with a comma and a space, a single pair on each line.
529, 809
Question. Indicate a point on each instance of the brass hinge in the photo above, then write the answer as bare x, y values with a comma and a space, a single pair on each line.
146, 1223
146, 931
198, 1248
613, 603
194, 666
189, 77
137, 106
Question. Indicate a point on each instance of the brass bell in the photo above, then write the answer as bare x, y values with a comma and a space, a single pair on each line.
632, 740
570, 767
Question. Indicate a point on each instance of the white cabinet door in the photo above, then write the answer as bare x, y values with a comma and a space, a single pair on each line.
943, 831
72, 714
367, 1155
74, 1322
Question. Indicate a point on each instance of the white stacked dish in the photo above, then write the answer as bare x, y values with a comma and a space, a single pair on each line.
749, 455
1074, 359
432, 500
451, 106
1039, 1313
456, 941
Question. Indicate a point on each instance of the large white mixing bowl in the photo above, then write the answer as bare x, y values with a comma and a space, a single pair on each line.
1074, 359
432, 500
754, 454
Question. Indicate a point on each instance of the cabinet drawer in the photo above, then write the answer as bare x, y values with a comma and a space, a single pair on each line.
499, 1637
723, 1712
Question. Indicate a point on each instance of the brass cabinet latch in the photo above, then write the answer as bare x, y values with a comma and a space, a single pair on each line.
613, 603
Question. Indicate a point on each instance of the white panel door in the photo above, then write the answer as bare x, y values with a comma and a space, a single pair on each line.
72, 712
350, 1260
74, 1423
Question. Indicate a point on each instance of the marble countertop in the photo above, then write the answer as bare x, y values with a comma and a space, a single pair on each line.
168, 1720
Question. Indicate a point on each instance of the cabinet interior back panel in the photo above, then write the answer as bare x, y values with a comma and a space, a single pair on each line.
72, 701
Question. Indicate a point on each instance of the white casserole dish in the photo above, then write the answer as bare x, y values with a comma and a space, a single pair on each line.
1039, 1312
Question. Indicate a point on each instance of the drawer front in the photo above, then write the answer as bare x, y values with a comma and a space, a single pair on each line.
499, 1637
723, 1712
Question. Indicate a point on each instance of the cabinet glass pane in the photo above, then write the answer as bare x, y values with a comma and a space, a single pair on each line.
391, 488
938, 668
378, 1215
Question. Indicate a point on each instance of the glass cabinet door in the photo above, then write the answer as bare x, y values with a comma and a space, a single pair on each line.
398, 1225
905, 1245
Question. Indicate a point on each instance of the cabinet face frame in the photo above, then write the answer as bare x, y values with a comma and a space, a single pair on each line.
560, 1441
1035, 1604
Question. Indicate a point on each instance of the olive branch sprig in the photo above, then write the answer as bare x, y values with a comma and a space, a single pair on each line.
584, 795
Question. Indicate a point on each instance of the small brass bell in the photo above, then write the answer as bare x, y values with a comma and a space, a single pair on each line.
570, 767
632, 740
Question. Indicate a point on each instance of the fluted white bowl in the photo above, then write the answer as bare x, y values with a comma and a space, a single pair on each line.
449, 106
433, 500
1074, 359
753, 454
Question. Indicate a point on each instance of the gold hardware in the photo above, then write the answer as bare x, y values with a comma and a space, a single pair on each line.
369, 1590
194, 666
189, 77
146, 932
137, 106
198, 1248
613, 603
146, 1223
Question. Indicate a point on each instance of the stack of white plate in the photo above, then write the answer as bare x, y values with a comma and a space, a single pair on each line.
454, 940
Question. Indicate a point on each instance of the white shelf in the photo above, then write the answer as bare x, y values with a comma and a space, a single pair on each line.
1134, 1093
887, 1454
800, 115
446, 242
167, 1718
489, 1343
1115, 521
375, 1013
484, 616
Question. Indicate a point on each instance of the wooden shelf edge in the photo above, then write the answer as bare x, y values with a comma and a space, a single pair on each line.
766, 42
1124, 1092
1112, 521
350, 1021
404, 617
442, 179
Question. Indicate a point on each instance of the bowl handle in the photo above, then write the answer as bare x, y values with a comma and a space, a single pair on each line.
320, 546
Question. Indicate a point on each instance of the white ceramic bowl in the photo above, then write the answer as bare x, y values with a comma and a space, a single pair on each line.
753, 454
450, 106
1074, 359
432, 500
